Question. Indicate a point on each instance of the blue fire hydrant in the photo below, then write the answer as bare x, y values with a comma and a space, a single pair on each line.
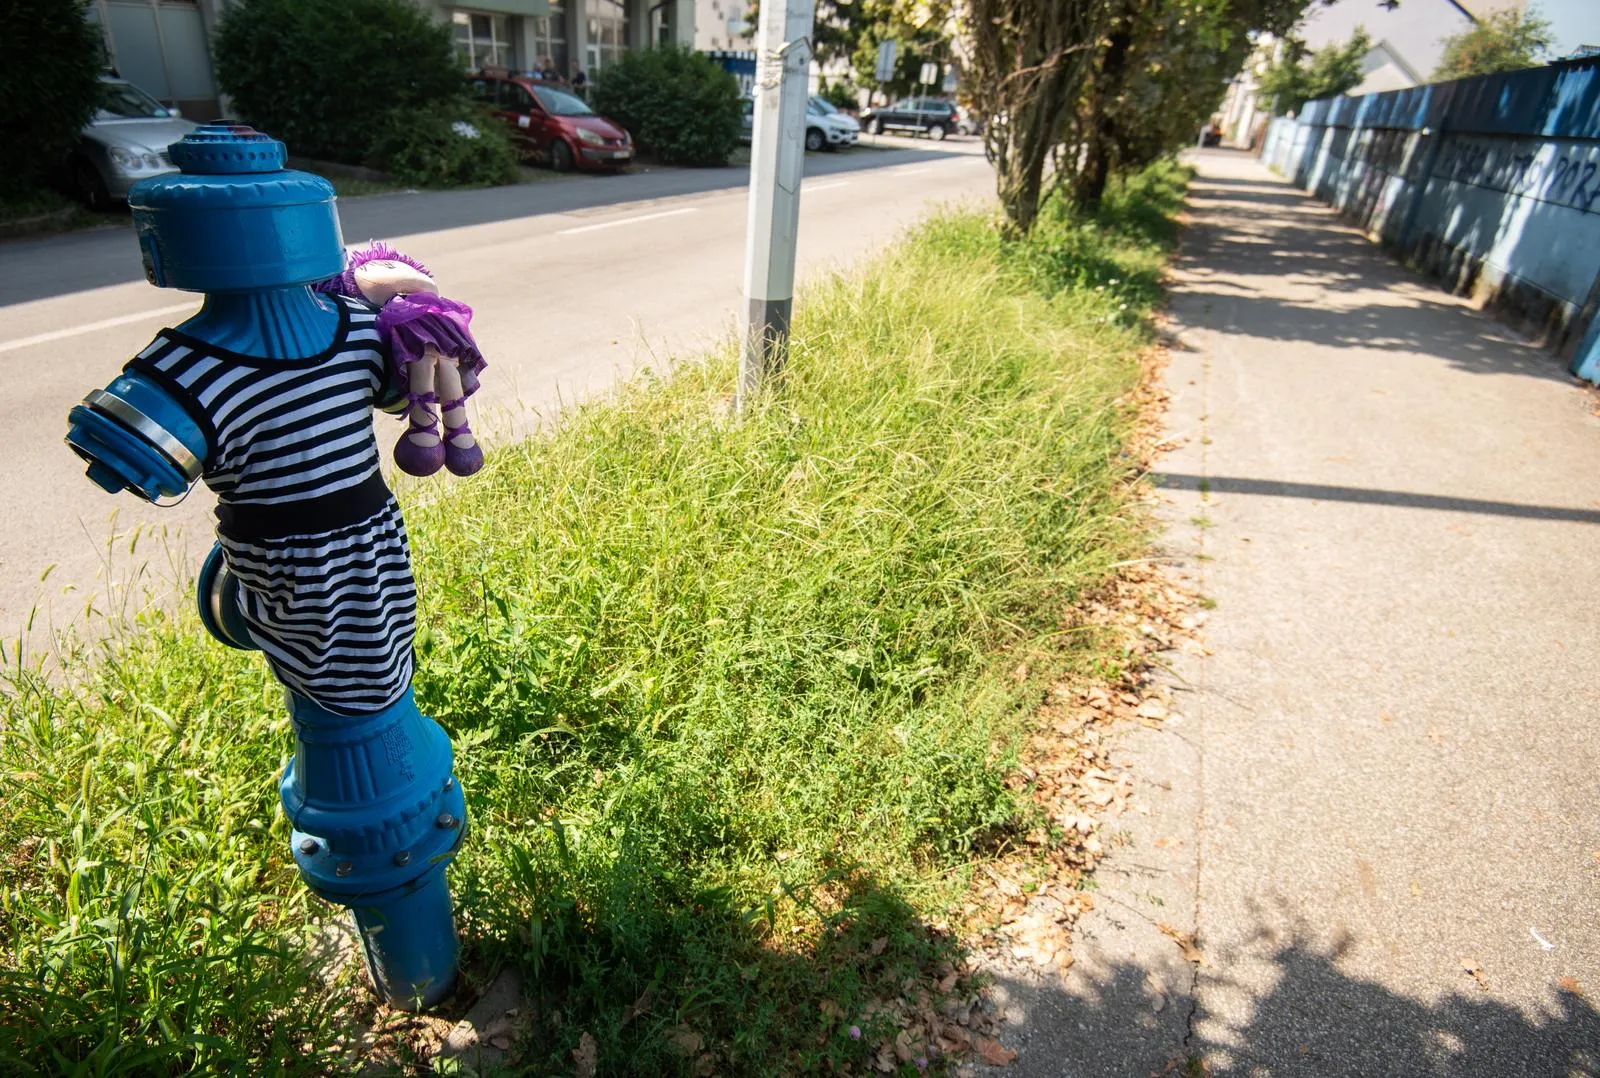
267, 395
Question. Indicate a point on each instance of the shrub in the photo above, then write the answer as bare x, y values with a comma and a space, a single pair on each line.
449, 144
677, 104
50, 63
841, 95
321, 76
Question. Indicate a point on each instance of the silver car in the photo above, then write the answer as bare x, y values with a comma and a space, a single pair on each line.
125, 141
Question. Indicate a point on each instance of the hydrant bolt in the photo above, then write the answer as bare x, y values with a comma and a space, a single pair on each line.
309, 846
447, 821
403, 857
343, 868
450, 783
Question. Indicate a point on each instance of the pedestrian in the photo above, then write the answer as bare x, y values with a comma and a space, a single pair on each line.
547, 71
580, 81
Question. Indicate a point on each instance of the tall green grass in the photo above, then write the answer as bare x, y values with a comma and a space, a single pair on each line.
732, 699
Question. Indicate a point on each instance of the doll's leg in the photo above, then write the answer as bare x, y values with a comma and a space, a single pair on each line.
462, 455
419, 450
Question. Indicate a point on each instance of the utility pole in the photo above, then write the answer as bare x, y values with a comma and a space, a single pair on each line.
777, 161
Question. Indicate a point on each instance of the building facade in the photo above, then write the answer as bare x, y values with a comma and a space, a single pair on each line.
723, 25
164, 46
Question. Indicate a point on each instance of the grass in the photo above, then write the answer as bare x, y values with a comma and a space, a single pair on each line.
46, 210
732, 701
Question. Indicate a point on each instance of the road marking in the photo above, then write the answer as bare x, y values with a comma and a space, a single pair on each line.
825, 186
90, 327
914, 171
627, 221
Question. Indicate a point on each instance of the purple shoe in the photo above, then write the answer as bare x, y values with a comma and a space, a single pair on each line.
414, 459
462, 462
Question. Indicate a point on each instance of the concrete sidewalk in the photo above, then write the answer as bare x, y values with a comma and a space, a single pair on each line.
1381, 814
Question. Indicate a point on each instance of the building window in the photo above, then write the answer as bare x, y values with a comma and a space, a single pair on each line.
550, 38
482, 40
608, 33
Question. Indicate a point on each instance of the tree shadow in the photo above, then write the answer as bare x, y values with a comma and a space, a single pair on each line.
1314, 1019
1333, 288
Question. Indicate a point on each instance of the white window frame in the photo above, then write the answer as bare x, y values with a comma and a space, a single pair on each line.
499, 42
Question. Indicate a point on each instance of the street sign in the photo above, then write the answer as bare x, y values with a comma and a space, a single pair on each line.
930, 73
886, 57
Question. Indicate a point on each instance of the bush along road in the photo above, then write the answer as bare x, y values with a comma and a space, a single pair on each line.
745, 709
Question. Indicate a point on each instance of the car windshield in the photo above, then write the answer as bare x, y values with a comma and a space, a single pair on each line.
823, 105
557, 103
123, 101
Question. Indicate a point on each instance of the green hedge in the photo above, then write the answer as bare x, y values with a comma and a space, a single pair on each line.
451, 144
372, 82
50, 63
678, 105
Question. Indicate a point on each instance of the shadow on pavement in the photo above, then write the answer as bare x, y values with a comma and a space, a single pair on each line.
1316, 1020
1247, 234
58, 265
1274, 488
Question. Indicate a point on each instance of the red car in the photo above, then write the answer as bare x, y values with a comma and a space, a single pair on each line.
552, 125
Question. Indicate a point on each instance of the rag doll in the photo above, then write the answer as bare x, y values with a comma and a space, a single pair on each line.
432, 356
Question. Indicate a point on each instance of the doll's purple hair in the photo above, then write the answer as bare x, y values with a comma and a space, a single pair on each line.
356, 257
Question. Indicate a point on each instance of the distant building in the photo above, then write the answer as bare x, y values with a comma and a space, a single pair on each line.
722, 25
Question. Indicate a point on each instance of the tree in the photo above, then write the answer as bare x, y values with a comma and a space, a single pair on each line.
1075, 89
1501, 41
51, 58
1290, 82
297, 69
851, 30
1163, 70
1029, 68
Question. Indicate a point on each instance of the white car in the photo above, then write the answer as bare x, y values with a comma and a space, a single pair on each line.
124, 142
826, 127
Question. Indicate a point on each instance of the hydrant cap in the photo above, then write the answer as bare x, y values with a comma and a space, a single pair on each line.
233, 218
227, 149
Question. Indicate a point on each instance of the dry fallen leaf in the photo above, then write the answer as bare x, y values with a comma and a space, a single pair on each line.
880, 944
1185, 942
1476, 972
501, 1042
1570, 984
993, 1052
831, 1009
640, 1006
585, 1056
684, 1040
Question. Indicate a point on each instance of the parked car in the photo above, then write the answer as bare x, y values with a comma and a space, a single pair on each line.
933, 115
554, 126
827, 127
125, 141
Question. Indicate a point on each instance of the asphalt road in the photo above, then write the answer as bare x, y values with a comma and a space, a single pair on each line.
575, 282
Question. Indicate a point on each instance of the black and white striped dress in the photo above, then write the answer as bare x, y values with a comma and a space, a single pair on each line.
305, 519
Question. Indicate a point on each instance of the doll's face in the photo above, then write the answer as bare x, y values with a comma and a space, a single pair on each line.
382, 279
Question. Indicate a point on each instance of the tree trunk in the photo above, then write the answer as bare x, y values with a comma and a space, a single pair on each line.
1102, 126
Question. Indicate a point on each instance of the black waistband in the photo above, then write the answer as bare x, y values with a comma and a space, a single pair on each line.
308, 516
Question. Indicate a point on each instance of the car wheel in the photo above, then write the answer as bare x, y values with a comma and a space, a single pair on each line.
937, 133
814, 140
560, 156
90, 185
877, 125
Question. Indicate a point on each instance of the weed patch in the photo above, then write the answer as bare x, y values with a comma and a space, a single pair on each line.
734, 702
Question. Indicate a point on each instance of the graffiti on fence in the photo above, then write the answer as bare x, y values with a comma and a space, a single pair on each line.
1563, 174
